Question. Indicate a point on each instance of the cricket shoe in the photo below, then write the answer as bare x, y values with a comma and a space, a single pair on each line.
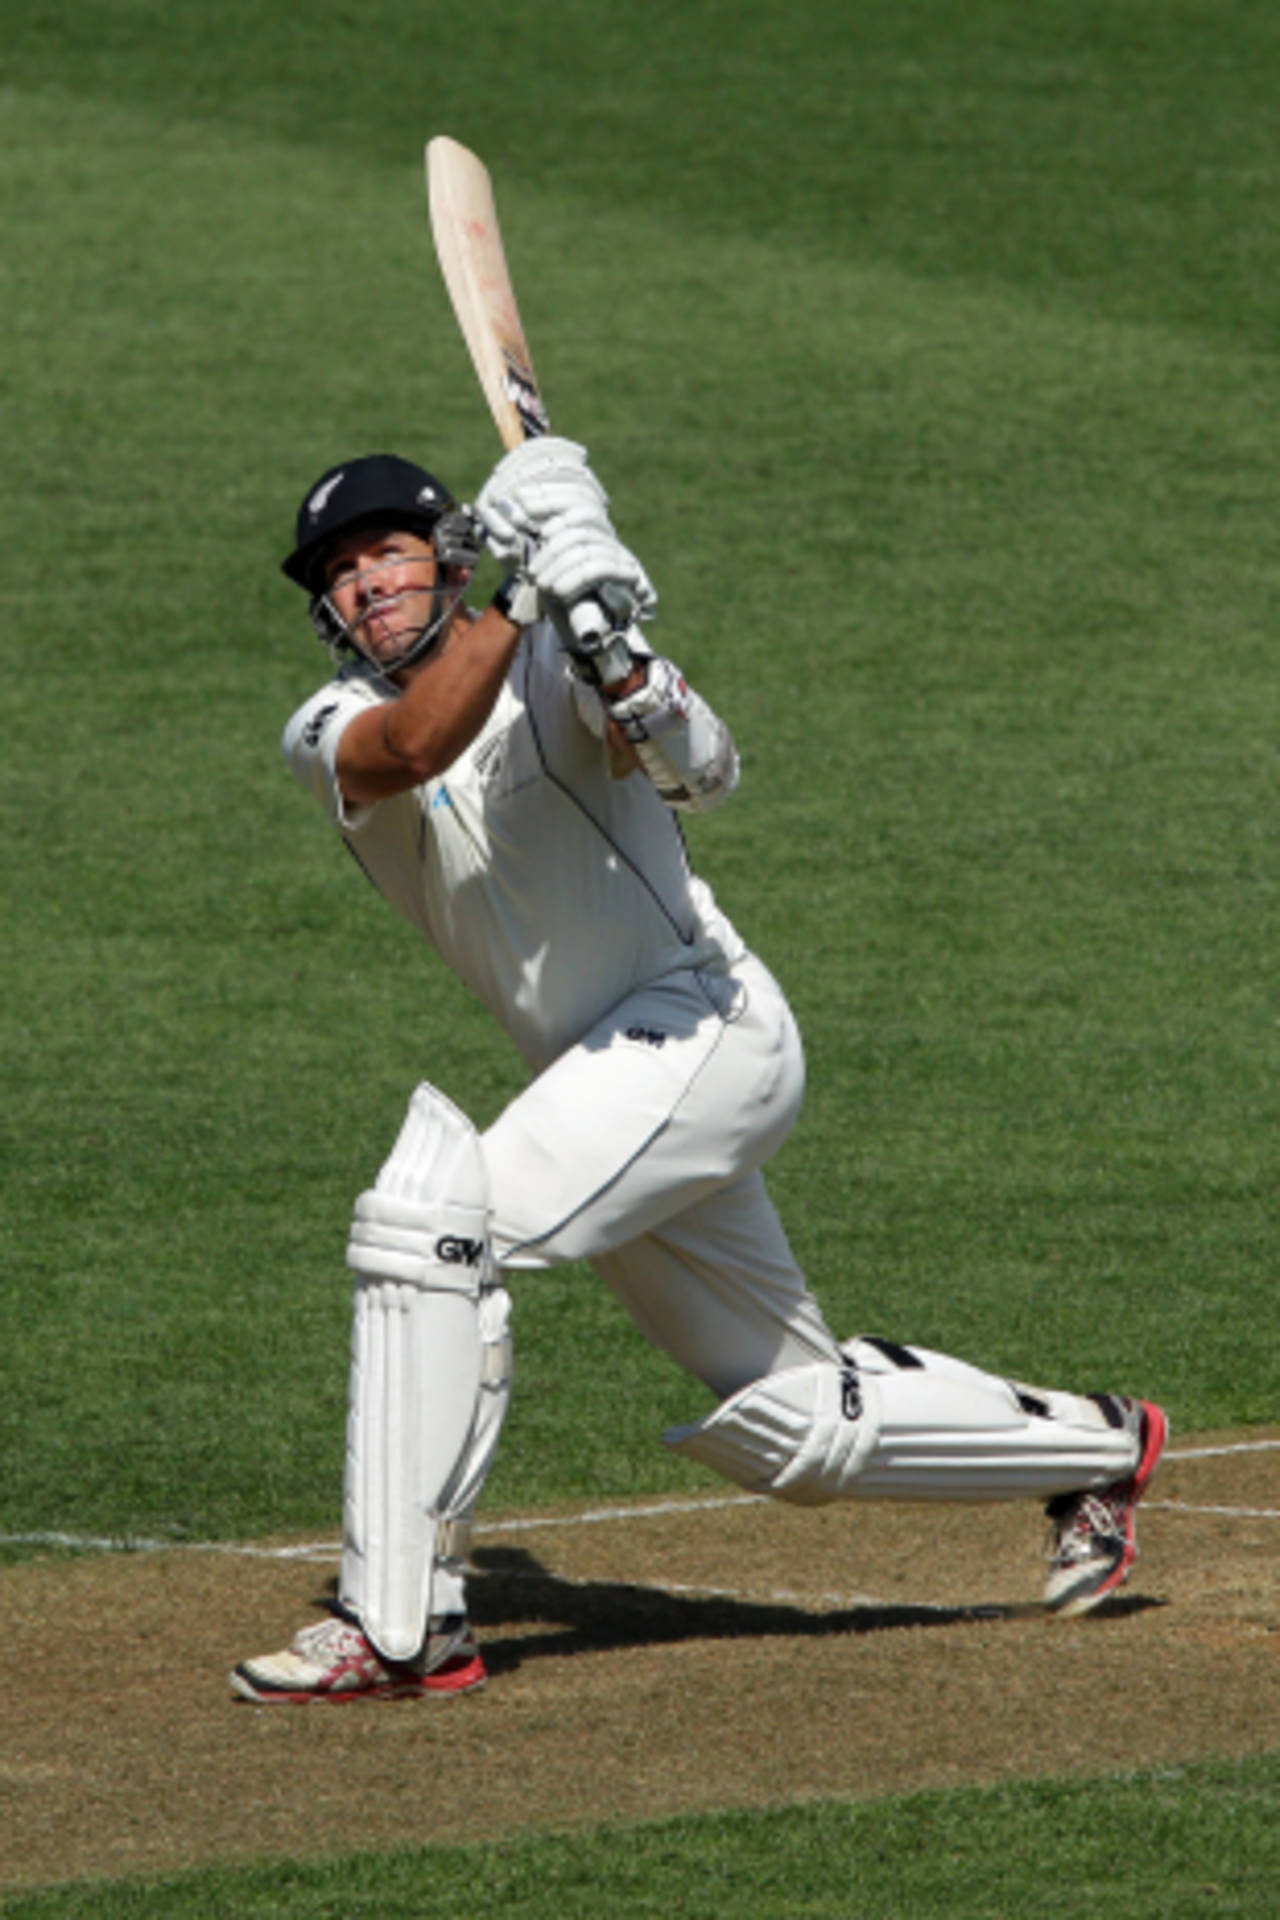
1095, 1536
333, 1660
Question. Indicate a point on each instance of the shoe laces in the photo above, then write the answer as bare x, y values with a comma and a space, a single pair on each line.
331, 1638
1091, 1519
336, 1638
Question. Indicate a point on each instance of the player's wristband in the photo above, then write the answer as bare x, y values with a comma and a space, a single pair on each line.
517, 600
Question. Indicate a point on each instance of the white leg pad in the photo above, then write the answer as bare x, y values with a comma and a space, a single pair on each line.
921, 1426
800, 1435
419, 1251
453, 1540
949, 1431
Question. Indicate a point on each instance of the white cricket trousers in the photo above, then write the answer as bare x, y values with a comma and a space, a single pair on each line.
639, 1150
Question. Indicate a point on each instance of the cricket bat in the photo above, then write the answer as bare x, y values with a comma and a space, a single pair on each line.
468, 243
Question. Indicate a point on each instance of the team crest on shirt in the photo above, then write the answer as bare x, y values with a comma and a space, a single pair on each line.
313, 732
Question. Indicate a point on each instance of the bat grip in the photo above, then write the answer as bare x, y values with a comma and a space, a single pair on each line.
598, 640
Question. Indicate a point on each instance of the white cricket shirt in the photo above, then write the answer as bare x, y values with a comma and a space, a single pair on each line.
550, 888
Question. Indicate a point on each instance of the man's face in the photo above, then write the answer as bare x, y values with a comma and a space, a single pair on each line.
382, 584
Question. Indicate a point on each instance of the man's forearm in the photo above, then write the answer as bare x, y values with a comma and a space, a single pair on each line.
400, 743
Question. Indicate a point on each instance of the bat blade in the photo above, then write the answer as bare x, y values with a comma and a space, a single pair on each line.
468, 243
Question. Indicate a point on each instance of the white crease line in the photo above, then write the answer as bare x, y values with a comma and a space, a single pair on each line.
89, 1543
85, 1542
330, 1550
1215, 1453
327, 1549
593, 1516
1231, 1513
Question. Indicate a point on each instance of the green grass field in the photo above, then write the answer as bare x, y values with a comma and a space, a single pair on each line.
1063, 1848
930, 354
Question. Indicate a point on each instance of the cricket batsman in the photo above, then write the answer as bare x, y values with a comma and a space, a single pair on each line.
511, 780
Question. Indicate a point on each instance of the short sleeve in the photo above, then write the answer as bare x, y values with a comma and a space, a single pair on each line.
310, 746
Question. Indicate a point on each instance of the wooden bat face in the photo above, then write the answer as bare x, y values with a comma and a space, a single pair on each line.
468, 241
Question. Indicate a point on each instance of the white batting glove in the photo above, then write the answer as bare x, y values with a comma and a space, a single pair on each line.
596, 592
661, 703
576, 556
577, 560
545, 453
533, 486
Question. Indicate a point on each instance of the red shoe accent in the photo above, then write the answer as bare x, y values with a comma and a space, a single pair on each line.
1097, 1539
463, 1674
338, 1664
1155, 1431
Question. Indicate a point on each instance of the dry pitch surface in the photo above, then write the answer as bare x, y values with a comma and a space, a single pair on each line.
651, 1661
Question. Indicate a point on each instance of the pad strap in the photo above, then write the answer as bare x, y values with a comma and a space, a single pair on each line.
438, 1246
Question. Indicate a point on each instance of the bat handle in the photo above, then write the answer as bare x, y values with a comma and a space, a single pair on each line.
598, 640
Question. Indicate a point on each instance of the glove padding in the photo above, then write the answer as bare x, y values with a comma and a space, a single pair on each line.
535, 486
662, 702
592, 586
577, 560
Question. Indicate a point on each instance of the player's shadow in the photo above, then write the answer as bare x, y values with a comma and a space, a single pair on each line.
558, 1617
555, 1618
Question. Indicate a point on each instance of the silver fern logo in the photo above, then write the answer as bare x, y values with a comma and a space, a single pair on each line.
321, 497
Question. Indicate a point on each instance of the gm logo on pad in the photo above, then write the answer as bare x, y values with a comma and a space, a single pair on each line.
453, 1250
